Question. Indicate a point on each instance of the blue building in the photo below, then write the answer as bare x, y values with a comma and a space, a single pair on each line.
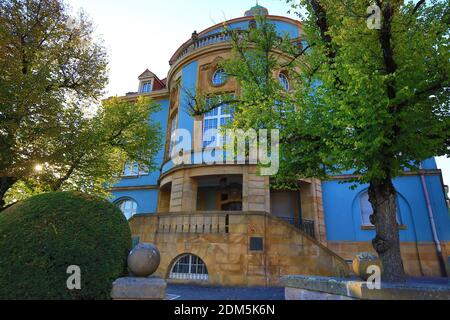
225, 224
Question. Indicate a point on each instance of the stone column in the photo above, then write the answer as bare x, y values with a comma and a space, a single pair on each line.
184, 193
190, 188
256, 191
312, 207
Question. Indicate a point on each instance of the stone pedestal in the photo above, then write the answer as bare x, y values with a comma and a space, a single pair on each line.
152, 288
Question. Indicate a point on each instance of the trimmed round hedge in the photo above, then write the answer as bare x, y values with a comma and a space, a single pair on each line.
40, 238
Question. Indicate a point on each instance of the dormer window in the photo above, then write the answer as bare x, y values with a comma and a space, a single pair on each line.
149, 82
146, 87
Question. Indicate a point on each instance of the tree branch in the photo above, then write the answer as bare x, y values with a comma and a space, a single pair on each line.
298, 55
417, 6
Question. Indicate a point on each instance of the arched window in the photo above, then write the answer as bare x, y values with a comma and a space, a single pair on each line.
189, 267
128, 208
219, 77
284, 81
367, 211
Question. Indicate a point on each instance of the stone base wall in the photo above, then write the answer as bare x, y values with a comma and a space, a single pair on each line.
294, 294
326, 288
419, 259
227, 254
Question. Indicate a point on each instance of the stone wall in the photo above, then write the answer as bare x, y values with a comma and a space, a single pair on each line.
419, 259
326, 288
226, 249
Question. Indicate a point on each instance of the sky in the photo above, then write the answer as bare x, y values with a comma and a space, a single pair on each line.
141, 34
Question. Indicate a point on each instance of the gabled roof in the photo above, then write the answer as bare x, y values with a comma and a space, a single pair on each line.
147, 74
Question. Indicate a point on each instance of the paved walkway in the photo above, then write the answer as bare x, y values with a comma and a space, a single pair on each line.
188, 292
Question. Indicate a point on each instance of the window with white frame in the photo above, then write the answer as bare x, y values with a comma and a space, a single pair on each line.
146, 86
128, 208
131, 170
284, 81
212, 123
134, 170
367, 210
189, 267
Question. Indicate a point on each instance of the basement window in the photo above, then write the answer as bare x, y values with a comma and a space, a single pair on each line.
189, 267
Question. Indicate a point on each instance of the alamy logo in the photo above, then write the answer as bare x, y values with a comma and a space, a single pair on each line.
74, 281
374, 280
235, 147
374, 19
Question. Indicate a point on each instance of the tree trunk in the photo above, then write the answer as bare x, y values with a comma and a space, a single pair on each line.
5, 184
383, 198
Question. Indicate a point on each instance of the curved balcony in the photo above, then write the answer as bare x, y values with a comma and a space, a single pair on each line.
197, 43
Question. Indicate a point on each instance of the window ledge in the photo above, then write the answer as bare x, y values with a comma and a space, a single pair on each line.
129, 177
136, 176
369, 228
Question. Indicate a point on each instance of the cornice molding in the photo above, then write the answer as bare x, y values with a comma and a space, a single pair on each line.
134, 188
430, 172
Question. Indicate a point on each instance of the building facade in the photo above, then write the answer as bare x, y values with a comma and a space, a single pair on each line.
226, 225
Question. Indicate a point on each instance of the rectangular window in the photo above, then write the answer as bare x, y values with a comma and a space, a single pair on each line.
131, 170
173, 128
146, 87
143, 170
212, 123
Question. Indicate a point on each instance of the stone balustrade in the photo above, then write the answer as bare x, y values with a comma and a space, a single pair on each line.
194, 223
210, 39
201, 42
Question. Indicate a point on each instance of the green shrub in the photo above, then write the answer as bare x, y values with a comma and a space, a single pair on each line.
42, 236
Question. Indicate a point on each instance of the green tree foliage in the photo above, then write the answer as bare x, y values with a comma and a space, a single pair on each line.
89, 156
368, 101
52, 72
44, 235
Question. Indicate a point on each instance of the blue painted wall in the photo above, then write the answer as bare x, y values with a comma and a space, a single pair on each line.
188, 83
147, 200
343, 212
152, 178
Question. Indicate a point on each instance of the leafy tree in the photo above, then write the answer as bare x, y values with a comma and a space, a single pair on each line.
372, 102
89, 155
52, 72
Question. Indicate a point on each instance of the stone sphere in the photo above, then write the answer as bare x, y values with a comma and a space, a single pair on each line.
363, 261
144, 260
